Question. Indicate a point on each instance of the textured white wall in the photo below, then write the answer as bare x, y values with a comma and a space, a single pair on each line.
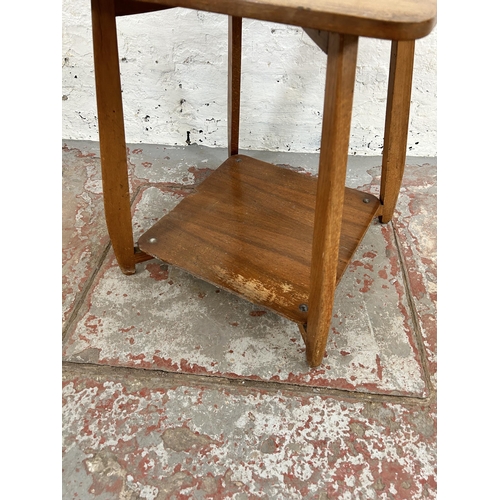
174, 73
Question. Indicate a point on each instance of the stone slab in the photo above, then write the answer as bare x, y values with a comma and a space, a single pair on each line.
164, 318
130, 437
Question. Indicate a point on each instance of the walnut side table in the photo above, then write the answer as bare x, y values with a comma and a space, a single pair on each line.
273, 236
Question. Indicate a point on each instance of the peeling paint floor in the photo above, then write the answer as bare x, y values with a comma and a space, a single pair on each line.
176, 389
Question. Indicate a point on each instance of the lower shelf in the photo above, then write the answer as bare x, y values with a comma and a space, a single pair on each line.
248, 229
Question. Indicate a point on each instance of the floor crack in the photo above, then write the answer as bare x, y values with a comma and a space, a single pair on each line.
88, 284
166, 378
419, 339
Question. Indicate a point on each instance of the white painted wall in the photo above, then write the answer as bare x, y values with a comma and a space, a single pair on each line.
174, 72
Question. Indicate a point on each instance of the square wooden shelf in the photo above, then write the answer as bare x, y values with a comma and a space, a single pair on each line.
248, 229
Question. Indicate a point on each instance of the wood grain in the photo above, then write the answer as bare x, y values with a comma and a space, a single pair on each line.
234, 84
340, 75
248, 229
320, 38
112, 134
140, 256
396, 125
131, 7
389, 19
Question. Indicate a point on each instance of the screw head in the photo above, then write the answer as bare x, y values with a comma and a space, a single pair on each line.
152, 240
238, 159
366, 200
303, 307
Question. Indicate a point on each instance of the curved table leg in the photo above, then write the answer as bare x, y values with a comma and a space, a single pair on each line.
396, 125
112, 134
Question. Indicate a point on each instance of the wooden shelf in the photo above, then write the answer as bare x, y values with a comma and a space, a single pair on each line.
248, 229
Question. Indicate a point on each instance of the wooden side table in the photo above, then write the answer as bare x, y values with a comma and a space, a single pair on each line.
273, 236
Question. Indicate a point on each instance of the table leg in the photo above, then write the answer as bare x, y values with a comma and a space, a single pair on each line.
112, 134
340, 78
396, 125
234, 84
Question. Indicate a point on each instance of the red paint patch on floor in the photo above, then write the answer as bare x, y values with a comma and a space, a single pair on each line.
383, 274
367, 283
379, 367
157, 271
200, 174
257, 313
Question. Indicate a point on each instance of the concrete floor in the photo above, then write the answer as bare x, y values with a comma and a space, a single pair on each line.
174, 389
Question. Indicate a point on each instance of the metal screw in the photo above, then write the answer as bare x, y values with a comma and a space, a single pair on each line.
238, 159
366, 200
152, 240
303, 307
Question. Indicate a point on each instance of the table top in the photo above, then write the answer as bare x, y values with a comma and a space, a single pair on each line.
388, 19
